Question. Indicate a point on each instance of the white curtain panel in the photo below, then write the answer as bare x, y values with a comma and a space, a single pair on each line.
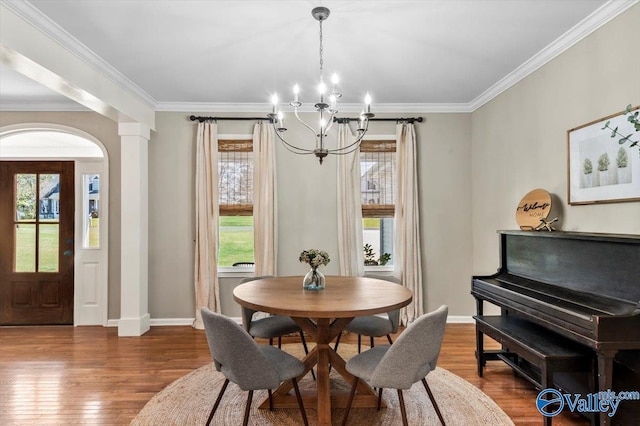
206, 251
350, 251
407, 264
265, 200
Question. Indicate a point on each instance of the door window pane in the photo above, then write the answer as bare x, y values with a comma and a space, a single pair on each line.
25, 255
48, 250
49, 205
91, 203
25, 197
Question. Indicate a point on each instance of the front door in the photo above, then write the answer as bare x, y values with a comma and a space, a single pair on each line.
36, 242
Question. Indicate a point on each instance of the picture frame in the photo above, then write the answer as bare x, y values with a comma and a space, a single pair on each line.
600, 169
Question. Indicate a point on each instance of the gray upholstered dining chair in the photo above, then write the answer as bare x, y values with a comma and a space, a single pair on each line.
272, 326
249, 365
374, 325
398, 366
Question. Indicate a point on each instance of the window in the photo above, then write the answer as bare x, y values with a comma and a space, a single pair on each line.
37, 222
235, 188
91, 213
377, 186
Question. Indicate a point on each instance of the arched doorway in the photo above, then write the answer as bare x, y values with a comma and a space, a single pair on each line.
32, 157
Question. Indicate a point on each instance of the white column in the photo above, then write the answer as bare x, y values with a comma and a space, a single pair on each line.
134, 275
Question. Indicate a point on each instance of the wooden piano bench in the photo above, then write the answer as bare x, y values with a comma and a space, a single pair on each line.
547, 351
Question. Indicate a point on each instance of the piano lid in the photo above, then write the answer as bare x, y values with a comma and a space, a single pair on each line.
605, 264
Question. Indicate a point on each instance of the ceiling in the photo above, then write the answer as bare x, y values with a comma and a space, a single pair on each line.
240, 52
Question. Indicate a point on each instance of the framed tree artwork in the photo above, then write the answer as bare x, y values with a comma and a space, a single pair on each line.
604, 160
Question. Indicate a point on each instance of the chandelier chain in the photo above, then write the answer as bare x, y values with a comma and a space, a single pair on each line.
321, 61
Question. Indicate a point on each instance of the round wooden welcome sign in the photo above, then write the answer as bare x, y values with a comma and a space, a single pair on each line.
534, 206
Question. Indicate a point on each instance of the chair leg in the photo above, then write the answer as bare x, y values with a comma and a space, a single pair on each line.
389, 339
403, 410
335, 348
306, 351
270, 342
371, 341
279, 342
379, 398
248, 409
270, 400
299, 398
350, 401
433, 401
215, 406
359, 342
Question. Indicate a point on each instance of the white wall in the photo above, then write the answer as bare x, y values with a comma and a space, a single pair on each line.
520, 137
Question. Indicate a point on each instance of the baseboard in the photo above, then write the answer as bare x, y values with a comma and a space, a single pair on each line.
460, 319
157, 322
163, 322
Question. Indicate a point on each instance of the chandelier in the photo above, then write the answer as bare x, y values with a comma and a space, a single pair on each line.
327, 107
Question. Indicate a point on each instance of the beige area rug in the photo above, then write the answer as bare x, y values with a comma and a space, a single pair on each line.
188, 401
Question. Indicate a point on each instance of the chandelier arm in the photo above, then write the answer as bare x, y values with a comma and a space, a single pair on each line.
353, 145
351, 129
297, 152
355, 148
295, 111
330, 121
290, 147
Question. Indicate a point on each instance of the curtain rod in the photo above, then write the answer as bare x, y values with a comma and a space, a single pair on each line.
408, 119
335, 119
201, 119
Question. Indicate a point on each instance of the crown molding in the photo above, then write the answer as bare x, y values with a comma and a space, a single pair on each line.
345, 108
582, 29
43, 23
52, 106
213, 107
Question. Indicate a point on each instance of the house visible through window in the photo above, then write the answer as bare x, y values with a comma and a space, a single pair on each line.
377, 186
235, 171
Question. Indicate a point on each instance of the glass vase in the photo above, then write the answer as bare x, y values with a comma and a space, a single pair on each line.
314, 280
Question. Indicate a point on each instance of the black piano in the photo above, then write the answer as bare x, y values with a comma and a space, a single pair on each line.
574, 289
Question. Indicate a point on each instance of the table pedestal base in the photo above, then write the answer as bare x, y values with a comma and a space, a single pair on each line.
323, 331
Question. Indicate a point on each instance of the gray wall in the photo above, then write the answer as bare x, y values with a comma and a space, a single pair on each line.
520, 137
308, 210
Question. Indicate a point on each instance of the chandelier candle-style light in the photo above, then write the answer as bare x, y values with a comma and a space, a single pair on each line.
327, 111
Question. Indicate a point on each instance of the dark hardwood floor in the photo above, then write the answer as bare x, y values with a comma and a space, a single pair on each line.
71, 375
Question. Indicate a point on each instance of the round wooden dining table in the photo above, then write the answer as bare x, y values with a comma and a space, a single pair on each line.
323, 314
